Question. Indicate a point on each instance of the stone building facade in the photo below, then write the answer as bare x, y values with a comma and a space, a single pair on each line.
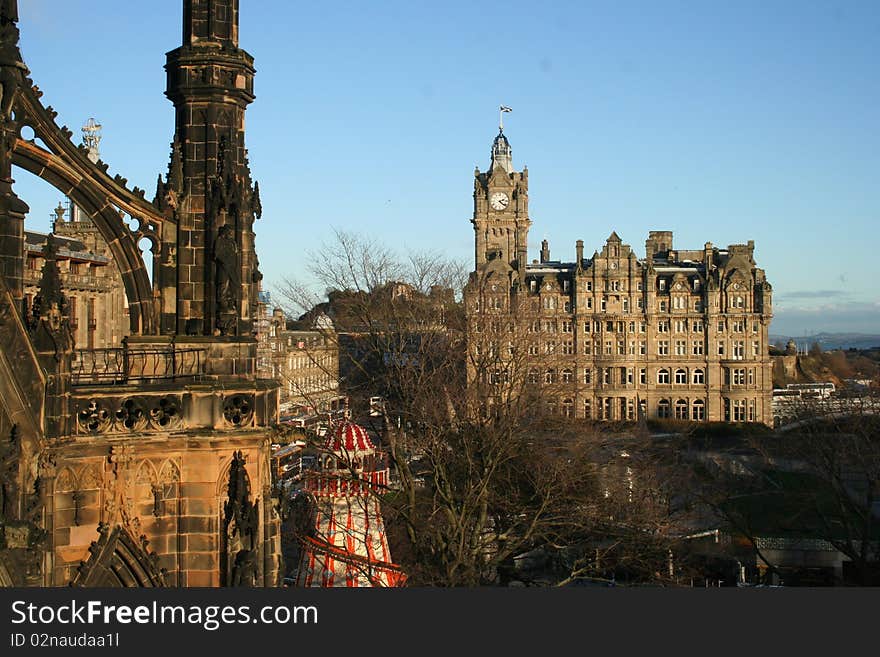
305, 362
90, 280
146, 464
679, 333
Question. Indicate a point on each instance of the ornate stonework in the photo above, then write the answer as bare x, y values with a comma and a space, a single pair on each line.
680, 333
116, 468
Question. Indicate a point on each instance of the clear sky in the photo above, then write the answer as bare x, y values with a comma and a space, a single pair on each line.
720, 121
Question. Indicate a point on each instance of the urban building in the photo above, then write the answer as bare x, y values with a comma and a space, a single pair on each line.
678, 333
305, 362
90, 279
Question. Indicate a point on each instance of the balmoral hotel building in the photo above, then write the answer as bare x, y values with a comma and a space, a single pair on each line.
676, 334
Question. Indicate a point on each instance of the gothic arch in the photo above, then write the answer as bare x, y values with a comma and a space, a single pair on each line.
169, 473
67, 168
117, 560
66, 481
146, 473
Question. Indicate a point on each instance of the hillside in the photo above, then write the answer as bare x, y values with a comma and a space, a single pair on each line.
820, 366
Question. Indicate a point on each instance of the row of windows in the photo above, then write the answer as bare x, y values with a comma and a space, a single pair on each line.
617, 376
680, 348
624, 408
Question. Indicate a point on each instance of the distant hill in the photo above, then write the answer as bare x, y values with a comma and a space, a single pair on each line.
829, 341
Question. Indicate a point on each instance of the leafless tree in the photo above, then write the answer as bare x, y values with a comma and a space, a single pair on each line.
487, 467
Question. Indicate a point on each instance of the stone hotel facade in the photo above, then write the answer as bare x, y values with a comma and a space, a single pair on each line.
677, 334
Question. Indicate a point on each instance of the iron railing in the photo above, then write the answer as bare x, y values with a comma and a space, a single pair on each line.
122, 365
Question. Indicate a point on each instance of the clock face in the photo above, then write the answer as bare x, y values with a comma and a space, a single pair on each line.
499, 200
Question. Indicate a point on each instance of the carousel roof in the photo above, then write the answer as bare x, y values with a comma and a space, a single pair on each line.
350, 439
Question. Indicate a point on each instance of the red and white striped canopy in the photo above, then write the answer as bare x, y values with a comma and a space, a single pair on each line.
350, 439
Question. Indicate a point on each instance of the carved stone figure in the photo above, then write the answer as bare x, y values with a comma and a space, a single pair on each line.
244, 570
227, 275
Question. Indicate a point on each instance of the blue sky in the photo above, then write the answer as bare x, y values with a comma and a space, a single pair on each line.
720, 121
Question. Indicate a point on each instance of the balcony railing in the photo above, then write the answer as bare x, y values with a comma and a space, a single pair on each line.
121, 366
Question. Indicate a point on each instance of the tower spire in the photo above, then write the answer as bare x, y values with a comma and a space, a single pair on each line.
211, 87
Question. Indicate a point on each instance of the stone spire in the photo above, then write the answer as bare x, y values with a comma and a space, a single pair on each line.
209, 186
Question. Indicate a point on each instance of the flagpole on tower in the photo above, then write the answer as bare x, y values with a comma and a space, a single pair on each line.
501, 110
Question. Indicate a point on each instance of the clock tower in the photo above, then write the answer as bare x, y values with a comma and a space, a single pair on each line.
501, 210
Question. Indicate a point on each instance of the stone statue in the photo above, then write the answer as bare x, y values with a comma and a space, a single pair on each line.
227, 279
244, 570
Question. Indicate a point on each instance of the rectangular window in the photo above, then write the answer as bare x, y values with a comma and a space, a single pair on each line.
589, 303
587, 347
629, 376
607, 347
588, 376
739, 326
643, 375
566, 326
663, 306
681, 326
568, 347
680, 348
632, 347
739, 349
751, 376
721, 347
609, 326
533, 349
663, 326
606, 376
697, 326
663, 347
604, 305
697, 347
621, 348
625, 305
588, 409
643, 347
640, 304
589, 286
756, 348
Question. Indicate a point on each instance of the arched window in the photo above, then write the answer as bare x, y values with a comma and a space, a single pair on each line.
699, 410
663, 376
566, 376
681, 376
699, 376
663, 408
550, 376
681, 409
588, 376
533, 376
568, 408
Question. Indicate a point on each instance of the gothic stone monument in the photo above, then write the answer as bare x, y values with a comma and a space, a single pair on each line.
145, 465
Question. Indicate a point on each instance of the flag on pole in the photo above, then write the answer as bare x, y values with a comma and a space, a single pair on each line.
504, 108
